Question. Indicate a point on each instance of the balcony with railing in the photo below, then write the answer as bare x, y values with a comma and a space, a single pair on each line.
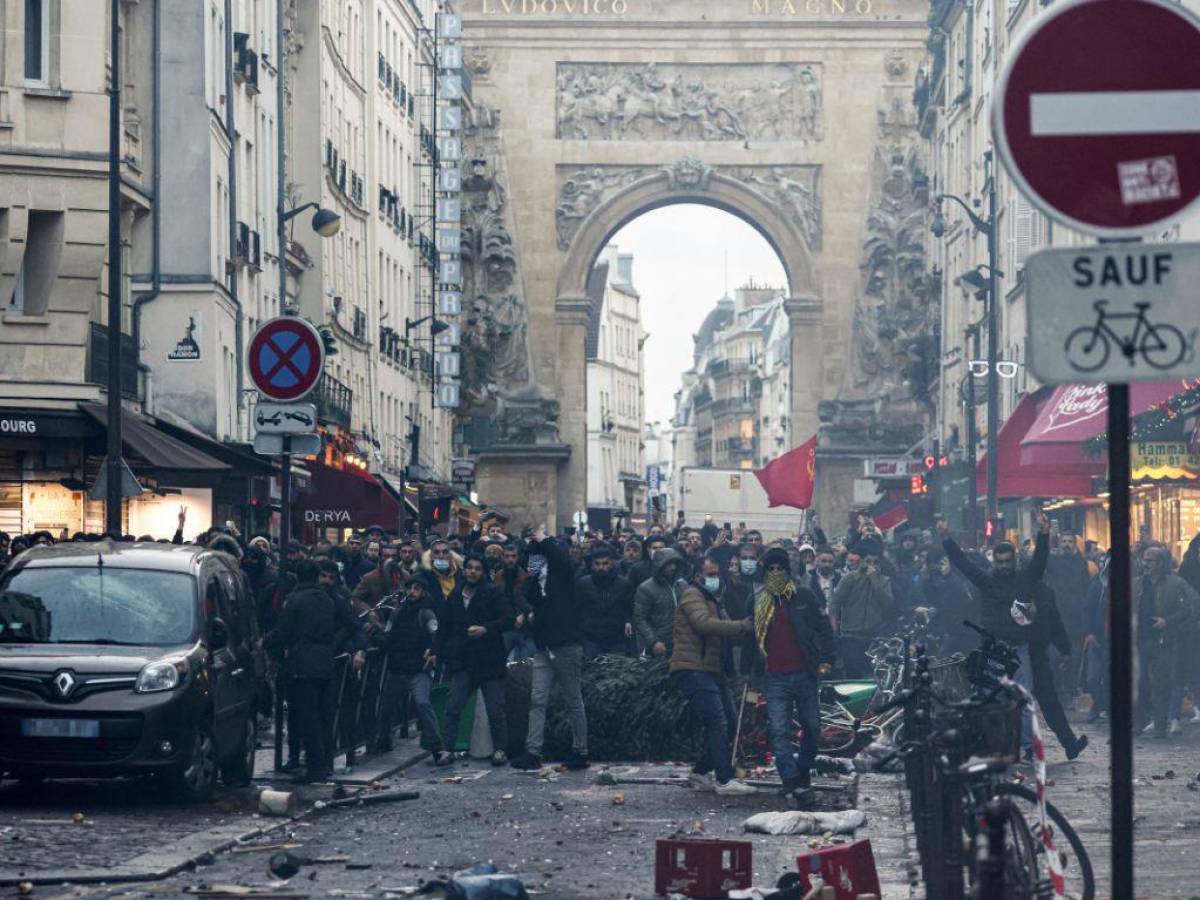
334, 401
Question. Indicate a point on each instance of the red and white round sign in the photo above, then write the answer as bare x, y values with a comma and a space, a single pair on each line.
1097, 116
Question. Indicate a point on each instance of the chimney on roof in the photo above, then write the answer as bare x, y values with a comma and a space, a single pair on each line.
625, 268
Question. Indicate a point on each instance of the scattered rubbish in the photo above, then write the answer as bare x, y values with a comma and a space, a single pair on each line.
276, 803
356, 866
367, 799
207, 858
219, 891
851, 867
50, 823
798, 822
485, 882
284, 865
1188, 825
25, 887
618, 800
506, 796
78, 818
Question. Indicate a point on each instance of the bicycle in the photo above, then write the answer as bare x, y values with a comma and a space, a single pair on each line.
1089, 346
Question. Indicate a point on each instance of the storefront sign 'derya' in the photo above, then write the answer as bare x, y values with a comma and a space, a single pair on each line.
620, 8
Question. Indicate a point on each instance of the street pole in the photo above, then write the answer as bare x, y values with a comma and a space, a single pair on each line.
993, 385
281, 153
285, 533
1121, 654
972, 443
112, 460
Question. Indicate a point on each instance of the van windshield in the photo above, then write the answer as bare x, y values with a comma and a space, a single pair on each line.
75, 605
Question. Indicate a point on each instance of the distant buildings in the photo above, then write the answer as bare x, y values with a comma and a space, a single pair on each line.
615, 404
731, 411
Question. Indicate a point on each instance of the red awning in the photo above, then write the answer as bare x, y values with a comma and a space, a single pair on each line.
351, 498
1076, 413
1070, 477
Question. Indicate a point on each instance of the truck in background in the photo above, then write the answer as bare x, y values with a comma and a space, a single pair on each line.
735, 496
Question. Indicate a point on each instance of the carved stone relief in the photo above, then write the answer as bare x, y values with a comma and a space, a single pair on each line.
689, 102
794, 189
496, 356
882, 401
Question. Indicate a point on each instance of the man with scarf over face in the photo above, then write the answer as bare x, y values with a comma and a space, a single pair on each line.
796, 640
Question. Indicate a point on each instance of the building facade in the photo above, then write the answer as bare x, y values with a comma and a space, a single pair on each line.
733, 406
201, 174
615, 374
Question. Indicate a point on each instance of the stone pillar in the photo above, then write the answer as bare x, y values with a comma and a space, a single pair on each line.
571, 317
807, 353
522, 480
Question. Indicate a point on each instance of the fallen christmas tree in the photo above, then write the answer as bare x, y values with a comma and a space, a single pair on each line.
633, 712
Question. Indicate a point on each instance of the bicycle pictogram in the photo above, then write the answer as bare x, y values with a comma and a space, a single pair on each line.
1161, 345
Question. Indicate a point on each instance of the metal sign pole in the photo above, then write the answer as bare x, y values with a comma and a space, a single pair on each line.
285, 533
112, 459
1121, 641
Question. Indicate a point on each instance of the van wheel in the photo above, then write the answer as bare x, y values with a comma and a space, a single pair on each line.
239, 770
197, 780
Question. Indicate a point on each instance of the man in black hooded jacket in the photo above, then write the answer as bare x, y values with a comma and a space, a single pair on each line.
608, 601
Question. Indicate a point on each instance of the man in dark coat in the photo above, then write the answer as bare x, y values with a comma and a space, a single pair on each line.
557, 614
1166, 606
943, 589
408, 640
305, 632
471, 644
608, 601
1049, 631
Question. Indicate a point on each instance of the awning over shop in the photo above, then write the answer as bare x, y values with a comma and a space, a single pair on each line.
241, 457
157, 449
1071, 477
1076, 413
346, 499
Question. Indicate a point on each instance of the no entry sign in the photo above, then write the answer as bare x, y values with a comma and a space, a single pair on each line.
286, 357
1098, 114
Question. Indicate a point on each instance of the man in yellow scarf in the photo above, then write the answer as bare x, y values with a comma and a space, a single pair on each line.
796, 639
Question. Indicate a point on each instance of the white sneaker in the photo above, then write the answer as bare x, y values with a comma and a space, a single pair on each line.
735, 788
1174, 727
1149, 729
1196, 716
702, 782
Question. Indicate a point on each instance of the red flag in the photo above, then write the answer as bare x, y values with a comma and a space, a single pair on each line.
789, 480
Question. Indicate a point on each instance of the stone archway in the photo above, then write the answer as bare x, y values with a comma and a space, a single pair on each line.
584, 115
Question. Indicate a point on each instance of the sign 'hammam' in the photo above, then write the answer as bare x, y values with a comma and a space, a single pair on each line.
619, 8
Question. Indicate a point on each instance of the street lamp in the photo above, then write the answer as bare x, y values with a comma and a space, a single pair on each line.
325, 222
436, 328
988, 283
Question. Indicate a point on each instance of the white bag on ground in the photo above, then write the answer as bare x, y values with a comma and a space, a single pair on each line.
797, 822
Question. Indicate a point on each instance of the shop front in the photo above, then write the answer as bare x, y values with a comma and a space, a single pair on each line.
343, 500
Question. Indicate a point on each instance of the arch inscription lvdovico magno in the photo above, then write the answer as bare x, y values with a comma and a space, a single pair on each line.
584, 114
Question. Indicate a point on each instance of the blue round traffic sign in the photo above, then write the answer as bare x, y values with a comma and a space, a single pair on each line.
286, 358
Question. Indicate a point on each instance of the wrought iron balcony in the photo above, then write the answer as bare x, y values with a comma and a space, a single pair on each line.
334, 401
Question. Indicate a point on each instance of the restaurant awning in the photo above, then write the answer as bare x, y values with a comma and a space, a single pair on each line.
346, 499
155, 448
1050, 477
1076, 413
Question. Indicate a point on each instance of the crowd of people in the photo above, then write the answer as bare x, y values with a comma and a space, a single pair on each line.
715, 604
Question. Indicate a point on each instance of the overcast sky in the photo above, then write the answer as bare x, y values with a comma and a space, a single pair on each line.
679, 266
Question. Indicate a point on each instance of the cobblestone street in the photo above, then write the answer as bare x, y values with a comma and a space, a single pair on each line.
564, 835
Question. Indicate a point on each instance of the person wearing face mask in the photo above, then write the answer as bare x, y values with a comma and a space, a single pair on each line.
441, 573
945, 593
699, 665
861, 604
824, 577
654, 603
796, 642
608, 601
745, 574
470, 642
408, 641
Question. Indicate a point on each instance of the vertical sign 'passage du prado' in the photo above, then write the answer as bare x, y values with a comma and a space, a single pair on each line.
621, 8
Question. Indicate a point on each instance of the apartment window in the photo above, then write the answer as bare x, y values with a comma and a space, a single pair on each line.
37, 41
39, 263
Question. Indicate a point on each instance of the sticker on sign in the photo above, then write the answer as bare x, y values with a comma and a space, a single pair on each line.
1113, 314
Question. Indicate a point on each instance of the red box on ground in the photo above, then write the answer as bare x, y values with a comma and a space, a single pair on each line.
848, 868
701, 867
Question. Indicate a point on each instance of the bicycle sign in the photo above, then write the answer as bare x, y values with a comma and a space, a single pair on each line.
1113, 314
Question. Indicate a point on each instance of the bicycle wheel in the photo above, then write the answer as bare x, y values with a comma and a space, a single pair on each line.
1020, 854
1077, 866
1087, 349
1163, 346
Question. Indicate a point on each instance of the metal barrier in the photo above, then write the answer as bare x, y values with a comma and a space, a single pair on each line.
358, 698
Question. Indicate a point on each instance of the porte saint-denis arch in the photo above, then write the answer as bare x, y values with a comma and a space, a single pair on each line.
796, 116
